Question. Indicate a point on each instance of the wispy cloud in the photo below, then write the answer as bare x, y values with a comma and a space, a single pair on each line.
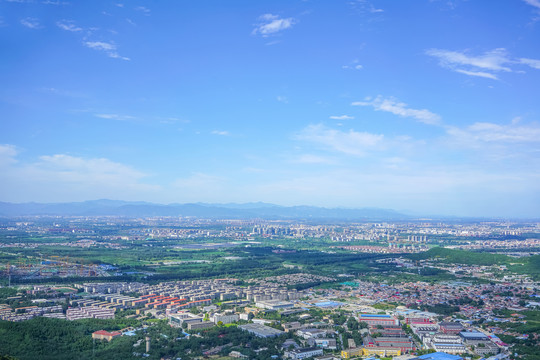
355, 67
100, 45
395, 107
341, 117
56, 3
531, 62
486, 132
484, 65
365, 6
535, 3
221, 132
31, 23
270, 24
349, 142
477, 73
108, 48
68, 25
143, 10
7, 154
282, 99
115, 117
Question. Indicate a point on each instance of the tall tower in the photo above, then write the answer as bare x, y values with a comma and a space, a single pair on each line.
147, 344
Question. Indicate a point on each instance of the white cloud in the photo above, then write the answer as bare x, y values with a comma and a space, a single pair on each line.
485, 132
115, 117
365, 6
68, 25
49, 2
492, 60
341, 117
144, 10
62, 177
73, 168
398, 108
535, 3
221, 132
7, 154
100, 45
353, 65
108, 48
485, 65
481, 65
282, 99
272, 24
531, 62
477, 73
31, 23
349, 142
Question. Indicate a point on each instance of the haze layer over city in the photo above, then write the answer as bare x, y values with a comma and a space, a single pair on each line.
428, 108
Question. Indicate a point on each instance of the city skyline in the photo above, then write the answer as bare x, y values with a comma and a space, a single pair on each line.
431, 107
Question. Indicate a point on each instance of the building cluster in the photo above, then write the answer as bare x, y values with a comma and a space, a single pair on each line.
30, 312
89, 312
386, 337
88, 228
180, 295
392, 248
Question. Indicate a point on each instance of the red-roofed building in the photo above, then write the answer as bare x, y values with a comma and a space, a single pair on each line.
105, 335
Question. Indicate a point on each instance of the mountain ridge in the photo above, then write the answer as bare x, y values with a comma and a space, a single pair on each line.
106, 207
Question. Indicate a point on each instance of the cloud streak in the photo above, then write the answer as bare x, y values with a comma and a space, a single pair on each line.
107, 47
395, 107
31, 23
341, 117
486, 65
487, 132
535, 3
348, 142
68, 25
115, 117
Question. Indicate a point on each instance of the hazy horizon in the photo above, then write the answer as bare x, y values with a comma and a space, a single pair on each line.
429, 106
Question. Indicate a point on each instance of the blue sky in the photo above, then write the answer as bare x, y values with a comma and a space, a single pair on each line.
427, 106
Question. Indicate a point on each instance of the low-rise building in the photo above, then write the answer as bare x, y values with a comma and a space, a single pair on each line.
323, 343
378, 319
224, 318
105, 335
303, 353
260, 330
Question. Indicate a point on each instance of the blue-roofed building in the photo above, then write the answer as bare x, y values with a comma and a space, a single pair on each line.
328, 304
438, 356
473, 337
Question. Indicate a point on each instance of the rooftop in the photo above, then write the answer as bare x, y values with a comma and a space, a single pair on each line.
439, 356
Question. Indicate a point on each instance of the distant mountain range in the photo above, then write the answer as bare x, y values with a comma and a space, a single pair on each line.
231, 211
